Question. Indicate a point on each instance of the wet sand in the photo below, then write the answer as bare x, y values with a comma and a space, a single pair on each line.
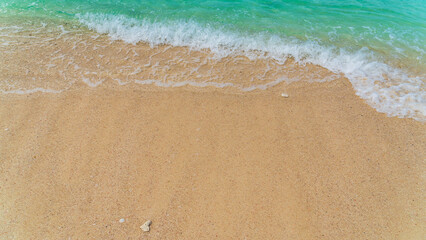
207, 163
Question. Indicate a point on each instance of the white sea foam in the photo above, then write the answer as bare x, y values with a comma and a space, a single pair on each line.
388, 89
208, 84
28, 91
183, 83
90, 83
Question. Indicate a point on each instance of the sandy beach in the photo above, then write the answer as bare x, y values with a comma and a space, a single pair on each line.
208, 163
287, 120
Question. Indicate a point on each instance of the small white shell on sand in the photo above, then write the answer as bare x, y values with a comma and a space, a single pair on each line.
284, 95
122, 220
145, 226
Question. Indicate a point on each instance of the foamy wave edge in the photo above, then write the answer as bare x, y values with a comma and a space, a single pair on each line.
29, 91
389, 90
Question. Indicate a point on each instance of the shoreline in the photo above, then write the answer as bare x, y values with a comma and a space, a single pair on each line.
54, 58
207, 163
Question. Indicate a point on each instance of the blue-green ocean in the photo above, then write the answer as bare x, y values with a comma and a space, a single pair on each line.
379, 45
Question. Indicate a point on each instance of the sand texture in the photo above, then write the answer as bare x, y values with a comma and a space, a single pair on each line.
206, 163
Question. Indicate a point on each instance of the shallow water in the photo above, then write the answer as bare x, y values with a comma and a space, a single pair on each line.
378, 45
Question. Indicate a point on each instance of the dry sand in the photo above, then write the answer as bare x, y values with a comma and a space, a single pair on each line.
208, 164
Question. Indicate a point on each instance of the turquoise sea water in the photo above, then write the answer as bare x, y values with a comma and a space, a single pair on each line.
368, 41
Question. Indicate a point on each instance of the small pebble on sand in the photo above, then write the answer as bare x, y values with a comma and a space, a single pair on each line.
284, 95
145, 226
122, 220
